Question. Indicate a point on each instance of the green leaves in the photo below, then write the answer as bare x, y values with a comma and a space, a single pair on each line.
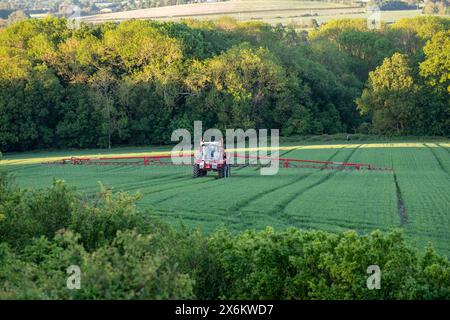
318, 265
391, 96
240, 84
436, 66
110, 84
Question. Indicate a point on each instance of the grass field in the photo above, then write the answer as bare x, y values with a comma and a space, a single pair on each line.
414, 197
270, 11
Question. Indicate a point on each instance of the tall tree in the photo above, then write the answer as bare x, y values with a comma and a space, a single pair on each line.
436, 66
103, 82
391, 95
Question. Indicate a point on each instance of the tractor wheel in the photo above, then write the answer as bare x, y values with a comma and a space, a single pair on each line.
224, 171
196, 171
221, 172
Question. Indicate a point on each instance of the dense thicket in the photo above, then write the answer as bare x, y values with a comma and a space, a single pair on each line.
125, 254
134, 82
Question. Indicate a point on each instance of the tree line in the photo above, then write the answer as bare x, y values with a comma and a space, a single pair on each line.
134, 82
123, 253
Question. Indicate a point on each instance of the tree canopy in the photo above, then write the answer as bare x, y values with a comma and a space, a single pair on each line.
133, 82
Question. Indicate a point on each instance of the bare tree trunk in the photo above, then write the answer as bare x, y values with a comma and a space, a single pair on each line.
109, 126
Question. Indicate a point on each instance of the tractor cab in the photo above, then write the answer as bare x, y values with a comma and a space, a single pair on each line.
211, 157
211, 151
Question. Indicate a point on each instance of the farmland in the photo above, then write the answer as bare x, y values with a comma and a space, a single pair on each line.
269, 11
135, 230
414, 196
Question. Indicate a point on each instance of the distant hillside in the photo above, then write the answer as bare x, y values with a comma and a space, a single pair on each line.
240, 9
287, 12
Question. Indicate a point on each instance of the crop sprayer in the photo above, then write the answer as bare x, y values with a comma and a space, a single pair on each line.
212, 157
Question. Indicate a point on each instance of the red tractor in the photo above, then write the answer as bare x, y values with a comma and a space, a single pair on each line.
211, 157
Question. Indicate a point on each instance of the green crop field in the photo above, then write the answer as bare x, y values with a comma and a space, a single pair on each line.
415, 196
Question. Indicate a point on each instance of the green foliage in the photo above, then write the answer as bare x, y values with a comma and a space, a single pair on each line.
109, 84
425, 27
43, 212
353, 37
391, 95
334, 28
99, 224
128, 268
239, 85
319, 265
436, 66
400, 102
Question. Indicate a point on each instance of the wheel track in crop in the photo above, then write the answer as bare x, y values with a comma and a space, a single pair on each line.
281, 155
400, 202
244, 203
139, 185
281, 207
436, 157
162, 200
441, 215
23, 168
196, 215
342, 223
219, 216
445, 148
257, 168
401, 207
136, 185
147, 183
189, 184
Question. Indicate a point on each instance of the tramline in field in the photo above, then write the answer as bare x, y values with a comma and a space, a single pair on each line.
212, 156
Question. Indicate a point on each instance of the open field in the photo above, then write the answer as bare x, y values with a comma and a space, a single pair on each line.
270, 11
414, 197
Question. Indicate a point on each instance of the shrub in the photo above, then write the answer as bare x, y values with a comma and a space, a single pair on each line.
124, 269
297, 264
98, 221
30, 214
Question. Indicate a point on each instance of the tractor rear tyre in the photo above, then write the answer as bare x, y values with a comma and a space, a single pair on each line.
224, 171
221, 172
196, 171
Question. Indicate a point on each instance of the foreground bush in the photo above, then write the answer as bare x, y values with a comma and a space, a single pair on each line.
124, 254
298, 264
31, 214
44, 232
